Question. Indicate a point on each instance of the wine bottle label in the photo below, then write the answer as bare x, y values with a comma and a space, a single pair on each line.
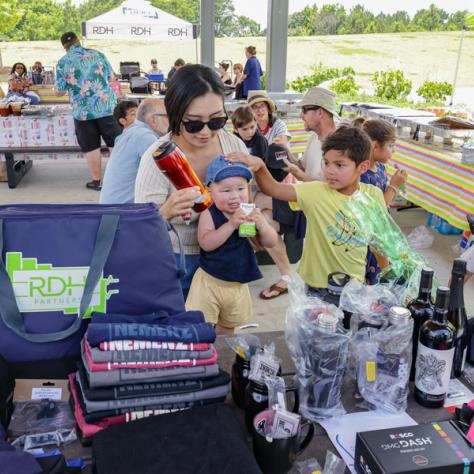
433, 370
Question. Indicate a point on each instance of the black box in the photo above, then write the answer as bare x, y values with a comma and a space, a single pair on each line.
437, 448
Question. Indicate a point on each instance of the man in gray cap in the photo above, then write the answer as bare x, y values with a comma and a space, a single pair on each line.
318, 111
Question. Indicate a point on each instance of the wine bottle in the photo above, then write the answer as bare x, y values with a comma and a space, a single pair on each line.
457, 315
435, 355
421, 310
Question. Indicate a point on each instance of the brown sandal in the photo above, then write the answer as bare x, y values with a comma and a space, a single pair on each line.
279, 291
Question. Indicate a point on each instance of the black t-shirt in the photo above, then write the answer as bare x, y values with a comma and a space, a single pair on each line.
257, 145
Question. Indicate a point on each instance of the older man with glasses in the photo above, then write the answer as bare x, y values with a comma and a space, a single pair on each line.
119, 179
318, 111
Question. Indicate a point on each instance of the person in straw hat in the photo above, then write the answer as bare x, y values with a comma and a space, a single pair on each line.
271, 127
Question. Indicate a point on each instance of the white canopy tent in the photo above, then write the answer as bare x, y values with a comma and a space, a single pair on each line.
138, 19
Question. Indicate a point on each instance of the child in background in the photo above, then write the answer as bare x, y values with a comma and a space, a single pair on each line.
227, 262
125, 112
37, 73
382, 137
332, 242
245, 127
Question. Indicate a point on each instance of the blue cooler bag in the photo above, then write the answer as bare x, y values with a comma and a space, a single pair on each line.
61, 262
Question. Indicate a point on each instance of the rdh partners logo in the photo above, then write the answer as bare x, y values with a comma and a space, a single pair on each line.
42, 287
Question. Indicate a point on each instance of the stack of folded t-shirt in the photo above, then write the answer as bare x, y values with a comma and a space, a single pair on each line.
138, 366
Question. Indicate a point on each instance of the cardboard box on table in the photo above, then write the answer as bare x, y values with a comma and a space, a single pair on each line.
434, 448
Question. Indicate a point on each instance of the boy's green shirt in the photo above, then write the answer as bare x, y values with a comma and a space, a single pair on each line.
332, 242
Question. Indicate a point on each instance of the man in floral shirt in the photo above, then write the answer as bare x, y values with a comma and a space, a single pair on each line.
85, 74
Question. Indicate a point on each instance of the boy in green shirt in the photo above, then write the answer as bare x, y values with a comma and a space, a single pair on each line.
332, 243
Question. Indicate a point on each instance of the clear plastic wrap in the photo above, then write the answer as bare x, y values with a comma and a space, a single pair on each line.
57, 438
319, 353
264, 364
382, 234
276, 392
333, 464
369, 304
420, 238
308, 466
244, 345
40, 416
383, 360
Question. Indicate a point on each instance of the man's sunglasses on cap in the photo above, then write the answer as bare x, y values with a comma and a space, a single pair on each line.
195, 126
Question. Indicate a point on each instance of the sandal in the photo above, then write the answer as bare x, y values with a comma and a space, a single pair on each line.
95, 184
278, 289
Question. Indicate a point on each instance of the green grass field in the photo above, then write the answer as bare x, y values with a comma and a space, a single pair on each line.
422, 56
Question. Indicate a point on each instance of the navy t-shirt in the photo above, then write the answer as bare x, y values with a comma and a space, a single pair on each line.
234, 260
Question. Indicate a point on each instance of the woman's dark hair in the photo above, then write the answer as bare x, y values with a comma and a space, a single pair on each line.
242, 116
224, 66
378, 130
351, 142
186, 84
18, 64
251, 50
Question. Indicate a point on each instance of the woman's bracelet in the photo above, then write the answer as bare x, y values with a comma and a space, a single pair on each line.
394, 188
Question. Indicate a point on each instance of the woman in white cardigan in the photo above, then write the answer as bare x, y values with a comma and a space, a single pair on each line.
195, 106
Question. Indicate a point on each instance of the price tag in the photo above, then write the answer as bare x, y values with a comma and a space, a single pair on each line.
263, 367
285, 424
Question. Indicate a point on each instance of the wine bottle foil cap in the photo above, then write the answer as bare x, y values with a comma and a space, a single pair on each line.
398, 315
426, 281
328, 322
459, 266
442, 298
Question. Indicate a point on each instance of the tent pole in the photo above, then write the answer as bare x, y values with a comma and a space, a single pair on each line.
197, 48
457, 64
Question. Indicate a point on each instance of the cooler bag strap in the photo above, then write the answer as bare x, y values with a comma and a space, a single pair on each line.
182, 258
9, 311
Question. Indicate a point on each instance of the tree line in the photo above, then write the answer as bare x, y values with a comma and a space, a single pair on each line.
335, 20
32, 20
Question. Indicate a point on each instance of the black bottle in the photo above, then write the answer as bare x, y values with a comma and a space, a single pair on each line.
336, 282
435, 355
421, 310
457, 315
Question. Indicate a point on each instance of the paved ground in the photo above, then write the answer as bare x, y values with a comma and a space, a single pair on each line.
64, 182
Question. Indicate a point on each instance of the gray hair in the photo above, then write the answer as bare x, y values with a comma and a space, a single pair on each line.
149, 107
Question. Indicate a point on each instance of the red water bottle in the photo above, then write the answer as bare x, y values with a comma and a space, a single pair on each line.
174, 165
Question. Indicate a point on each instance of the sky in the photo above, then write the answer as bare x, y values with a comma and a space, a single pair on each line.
257, 9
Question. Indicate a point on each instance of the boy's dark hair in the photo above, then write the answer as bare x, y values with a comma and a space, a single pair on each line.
351, 141
188, 83
122, 108
242, 116
378, 130
179, 62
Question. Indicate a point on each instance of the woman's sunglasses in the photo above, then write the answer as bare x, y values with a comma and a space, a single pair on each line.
195, 126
